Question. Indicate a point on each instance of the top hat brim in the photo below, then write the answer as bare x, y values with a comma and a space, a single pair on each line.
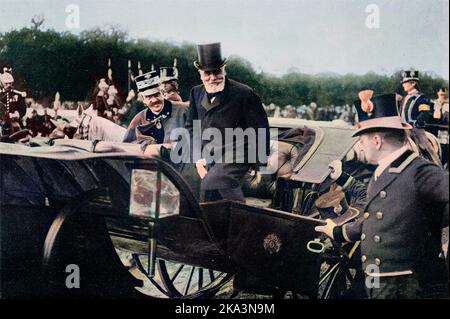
209, 68
389, 122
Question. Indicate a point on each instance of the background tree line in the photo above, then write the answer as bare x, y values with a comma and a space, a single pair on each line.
45, 62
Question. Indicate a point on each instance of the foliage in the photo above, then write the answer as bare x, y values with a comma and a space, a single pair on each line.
45, 62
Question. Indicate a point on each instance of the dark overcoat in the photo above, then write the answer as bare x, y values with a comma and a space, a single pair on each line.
237, 106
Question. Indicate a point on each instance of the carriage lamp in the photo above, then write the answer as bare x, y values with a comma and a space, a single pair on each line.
152, 197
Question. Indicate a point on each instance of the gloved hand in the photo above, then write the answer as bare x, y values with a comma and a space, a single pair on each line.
201, 168
326, 229
256, 179
336, 169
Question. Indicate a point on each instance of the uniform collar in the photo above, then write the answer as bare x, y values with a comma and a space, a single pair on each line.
414, 92
389, 175
388, 160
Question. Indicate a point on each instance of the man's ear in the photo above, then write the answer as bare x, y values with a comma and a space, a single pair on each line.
377, 140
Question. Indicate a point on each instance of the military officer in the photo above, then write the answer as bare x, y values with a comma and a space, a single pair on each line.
12, 105
416, 108
407, 207
170, 87
154, 124
221, 105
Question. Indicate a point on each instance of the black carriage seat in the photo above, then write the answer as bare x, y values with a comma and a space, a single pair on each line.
286, 153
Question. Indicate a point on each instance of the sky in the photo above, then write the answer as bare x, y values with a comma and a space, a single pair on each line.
276, 36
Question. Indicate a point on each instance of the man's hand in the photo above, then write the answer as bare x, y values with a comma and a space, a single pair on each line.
336, 169
327, 229
201, 168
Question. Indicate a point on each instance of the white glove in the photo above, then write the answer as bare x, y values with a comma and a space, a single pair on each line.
336, 169
326, 229
201, 168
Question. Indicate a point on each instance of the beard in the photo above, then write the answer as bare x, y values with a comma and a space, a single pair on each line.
214, 87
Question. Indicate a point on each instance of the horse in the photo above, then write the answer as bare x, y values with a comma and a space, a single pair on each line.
90, 126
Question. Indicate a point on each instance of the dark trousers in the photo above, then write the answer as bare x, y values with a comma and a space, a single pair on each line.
235, 194
406, 287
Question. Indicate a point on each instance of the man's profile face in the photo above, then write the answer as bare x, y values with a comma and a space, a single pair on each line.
214, 81
368, 147
408, 86
154, 102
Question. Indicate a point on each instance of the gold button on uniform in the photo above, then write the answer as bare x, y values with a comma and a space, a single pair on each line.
363, 236
379, 215
377, 261
366, 215
383, 194
363, 258
376, 238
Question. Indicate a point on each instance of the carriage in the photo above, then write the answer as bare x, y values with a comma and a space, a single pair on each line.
134, 228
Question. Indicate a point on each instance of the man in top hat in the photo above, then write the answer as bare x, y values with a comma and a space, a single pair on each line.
154, 124
170, 87
416, 109
222, 104
12, 105
407, 207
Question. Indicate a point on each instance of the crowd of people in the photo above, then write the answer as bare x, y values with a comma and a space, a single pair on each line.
312, 112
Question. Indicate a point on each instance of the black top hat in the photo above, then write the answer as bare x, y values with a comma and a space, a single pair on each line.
209, 57
334, 205
378, 112
410, 75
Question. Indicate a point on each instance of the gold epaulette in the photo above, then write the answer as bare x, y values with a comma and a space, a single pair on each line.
424, 107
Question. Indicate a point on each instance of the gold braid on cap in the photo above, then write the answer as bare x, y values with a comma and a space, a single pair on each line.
366, 103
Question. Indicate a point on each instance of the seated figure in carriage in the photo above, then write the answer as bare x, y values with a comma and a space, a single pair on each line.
154, 124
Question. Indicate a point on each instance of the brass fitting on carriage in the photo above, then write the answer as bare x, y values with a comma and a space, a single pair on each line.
318, 247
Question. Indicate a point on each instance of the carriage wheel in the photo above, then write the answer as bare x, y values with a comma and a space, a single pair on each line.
177, 280
338, 280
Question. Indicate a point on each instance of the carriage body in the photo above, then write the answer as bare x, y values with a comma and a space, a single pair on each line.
63, 205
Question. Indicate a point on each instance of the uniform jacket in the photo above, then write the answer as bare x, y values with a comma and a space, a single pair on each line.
417, 107
10, 102
237, 106
406, 209
173, 116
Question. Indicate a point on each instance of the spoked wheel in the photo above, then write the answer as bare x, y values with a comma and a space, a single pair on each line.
177, 280
338, 280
